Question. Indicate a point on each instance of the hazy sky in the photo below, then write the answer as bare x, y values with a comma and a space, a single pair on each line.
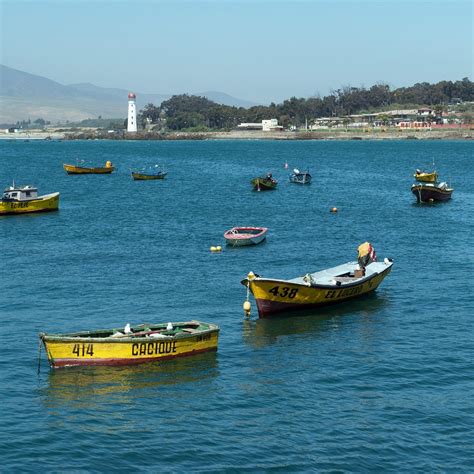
260, 50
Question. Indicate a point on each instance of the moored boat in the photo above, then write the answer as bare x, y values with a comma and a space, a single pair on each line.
264, 183
426, 177
313, 290
300, 177
429, 192
76, 169
130, 345
147, 174
242, 236
25, 199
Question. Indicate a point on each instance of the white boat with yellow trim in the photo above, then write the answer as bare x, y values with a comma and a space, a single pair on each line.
25, 199
130, 345
332, 285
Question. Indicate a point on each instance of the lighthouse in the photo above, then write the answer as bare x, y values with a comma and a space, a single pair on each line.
132, 113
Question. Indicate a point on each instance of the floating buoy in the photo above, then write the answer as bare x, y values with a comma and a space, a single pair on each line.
218, 248
213, 249
247, 306
333, 209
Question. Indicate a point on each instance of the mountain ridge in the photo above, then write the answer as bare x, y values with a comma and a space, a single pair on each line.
26, 96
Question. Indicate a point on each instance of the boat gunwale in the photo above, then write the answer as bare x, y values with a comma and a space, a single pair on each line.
245, 236
81, 336
320, 285
43, 197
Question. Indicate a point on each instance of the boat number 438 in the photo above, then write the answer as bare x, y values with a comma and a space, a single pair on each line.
284, 292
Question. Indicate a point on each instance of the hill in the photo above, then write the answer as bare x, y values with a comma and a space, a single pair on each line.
26, 96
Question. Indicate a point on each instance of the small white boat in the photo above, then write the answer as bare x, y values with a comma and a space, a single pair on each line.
241, 236
300, 177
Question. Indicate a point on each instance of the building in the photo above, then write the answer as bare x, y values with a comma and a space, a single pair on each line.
132, 113
271, 125
266, 125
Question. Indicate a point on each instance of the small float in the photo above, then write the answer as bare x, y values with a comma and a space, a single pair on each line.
313, 290
242, 236
130, 345
80, 169
25, 199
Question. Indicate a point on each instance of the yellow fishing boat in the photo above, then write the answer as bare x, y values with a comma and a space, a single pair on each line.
317, 289
130, 345
76, 169
25, 199
425, 177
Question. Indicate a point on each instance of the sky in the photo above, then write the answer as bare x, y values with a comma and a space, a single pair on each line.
261, 50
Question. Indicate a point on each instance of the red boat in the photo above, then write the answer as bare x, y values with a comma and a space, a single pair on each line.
241, 236
429, 192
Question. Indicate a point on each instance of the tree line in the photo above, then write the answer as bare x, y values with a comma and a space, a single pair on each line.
188, 112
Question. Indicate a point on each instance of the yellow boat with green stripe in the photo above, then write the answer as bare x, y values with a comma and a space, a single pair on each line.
313, 290
132, 345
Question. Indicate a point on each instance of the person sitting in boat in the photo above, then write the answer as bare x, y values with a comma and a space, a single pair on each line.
108, 164
418, 171
366, 255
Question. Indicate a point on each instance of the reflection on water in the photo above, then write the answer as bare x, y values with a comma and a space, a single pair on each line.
262, 332
88, 385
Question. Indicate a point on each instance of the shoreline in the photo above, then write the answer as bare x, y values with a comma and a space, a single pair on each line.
374, 135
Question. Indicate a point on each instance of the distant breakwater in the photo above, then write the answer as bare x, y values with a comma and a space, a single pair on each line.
329, 134
388, 134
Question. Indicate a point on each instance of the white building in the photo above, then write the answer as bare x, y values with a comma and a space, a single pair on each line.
266, 125
132, 113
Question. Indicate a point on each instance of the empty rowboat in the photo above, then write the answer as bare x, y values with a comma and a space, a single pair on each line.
242, 236
130, 345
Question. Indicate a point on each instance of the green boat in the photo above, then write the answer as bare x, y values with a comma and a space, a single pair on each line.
264, 183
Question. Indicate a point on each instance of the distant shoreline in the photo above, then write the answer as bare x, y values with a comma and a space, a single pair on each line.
330, 134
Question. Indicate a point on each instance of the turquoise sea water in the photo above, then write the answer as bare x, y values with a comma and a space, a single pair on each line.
379, 384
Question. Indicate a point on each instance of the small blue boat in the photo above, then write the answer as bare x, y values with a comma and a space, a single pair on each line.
300, 177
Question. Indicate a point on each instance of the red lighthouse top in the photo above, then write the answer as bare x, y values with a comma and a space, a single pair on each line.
131, 95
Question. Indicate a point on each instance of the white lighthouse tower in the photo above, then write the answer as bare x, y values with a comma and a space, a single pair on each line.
132, 113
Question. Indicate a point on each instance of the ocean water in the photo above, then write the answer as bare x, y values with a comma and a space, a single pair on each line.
380, 384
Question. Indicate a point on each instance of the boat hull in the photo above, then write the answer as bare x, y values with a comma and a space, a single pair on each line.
300, 179
71, 169
49, 202
278, 297
245, 242
424, 193
91, 351
147, 177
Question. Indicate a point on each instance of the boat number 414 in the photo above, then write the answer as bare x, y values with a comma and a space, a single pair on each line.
284, 292
81, 350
